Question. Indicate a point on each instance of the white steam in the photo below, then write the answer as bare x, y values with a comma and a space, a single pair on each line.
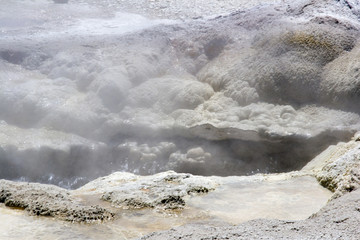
87, 90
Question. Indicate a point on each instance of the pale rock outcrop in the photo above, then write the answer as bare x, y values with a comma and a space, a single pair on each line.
224, 74
50, 201
338, 219
337, 168
167, 190
30, 99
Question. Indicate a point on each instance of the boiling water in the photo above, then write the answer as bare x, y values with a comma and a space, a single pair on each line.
62, 123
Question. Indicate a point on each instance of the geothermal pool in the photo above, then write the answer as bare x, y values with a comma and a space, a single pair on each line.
88, 89
245, 93
237, 201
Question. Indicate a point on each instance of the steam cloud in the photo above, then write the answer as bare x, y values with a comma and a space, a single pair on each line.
105, 92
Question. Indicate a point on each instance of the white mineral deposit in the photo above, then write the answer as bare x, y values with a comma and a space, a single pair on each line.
179, 119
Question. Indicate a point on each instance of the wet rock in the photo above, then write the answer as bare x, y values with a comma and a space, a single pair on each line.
112, 88
167, 190
337, 168
50, 201
338, 219
342, 175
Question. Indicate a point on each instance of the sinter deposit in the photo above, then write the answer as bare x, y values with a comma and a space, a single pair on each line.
148, 115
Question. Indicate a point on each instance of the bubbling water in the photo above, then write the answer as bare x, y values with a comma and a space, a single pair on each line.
88, 90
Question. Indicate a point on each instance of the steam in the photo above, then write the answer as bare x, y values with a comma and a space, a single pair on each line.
90, 92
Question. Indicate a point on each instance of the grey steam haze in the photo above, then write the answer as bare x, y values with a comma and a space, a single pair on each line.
87, 90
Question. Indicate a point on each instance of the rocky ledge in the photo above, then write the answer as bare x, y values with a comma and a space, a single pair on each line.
263, 89
168, 190
174, 192
50, 201
337, 168
339, 219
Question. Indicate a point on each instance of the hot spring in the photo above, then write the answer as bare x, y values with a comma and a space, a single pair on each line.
89, 88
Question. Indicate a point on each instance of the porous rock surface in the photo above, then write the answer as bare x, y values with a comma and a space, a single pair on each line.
339, 219
50, 201
170, 191
337, 168
163, 191
167, 190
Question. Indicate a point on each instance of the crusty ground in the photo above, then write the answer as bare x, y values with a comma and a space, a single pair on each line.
339, 219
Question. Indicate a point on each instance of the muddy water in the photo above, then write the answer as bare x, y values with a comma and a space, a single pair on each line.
235, 201
17, 224
289, 199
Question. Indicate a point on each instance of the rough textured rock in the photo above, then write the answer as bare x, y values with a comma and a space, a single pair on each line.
167, 190
337, 168
289, 63
232, 200
171, 192
50, 201
337, 220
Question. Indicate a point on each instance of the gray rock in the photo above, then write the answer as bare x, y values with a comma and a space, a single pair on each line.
50, 201
167, 190
343, 174
337, 168
337, 220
